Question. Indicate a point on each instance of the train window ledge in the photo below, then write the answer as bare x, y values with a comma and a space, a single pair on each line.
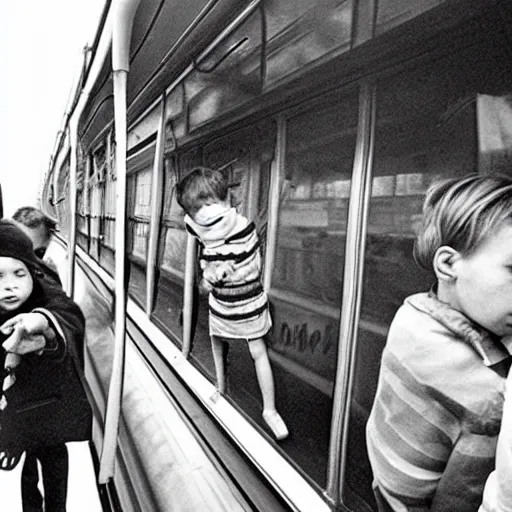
275, 468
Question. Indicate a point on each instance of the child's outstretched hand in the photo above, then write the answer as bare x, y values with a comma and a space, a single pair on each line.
27, 333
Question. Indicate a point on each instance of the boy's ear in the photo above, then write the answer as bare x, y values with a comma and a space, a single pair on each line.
444, 263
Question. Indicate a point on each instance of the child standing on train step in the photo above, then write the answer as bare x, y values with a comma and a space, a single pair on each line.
231, 272
433, 428
42, 404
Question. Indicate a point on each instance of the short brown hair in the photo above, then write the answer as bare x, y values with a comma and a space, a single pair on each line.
202, 184
461, 213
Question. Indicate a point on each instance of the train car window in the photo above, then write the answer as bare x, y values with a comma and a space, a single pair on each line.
168, 305
108, 221
96, 186
276, 41
442, 119
62, 201
145, 128
82, 218
307, 274
138, 183
391, 13
48, 198
108, 224
228, 76
173, 254
302, 32
176, 121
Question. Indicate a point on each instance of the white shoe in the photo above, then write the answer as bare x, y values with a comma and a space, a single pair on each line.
276, 424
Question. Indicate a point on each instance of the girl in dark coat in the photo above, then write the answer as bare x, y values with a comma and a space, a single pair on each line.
43, 404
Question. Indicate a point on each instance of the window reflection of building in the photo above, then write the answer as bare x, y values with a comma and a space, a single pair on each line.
138, 184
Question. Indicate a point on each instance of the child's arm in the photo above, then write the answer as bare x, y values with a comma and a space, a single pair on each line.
462, 483
67, 322
58, 319
28, 332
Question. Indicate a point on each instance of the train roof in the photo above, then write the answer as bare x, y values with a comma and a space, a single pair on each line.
166, 36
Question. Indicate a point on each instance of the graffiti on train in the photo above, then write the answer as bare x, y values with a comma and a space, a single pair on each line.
304, 339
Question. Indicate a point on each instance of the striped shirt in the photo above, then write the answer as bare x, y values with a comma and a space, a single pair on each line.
498, 489
432, 431
238, 305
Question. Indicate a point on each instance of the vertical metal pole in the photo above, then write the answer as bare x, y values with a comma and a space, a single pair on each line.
157, 194
124, 13
274, 199
117, 377
73, 139
188, 293
87, 201
351, 302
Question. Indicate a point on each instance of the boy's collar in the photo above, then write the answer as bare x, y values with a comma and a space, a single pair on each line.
488, 346
219, 231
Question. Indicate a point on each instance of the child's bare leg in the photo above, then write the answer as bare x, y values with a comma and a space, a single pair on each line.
259, 354
265, 378
218, 360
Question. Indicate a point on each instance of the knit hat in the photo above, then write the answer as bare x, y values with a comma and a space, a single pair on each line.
14, 243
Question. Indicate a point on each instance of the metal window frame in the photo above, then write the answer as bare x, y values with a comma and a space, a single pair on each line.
352, 291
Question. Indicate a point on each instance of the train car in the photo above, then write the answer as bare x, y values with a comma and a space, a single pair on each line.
329, 119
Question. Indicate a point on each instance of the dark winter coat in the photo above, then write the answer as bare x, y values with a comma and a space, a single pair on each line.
47, 404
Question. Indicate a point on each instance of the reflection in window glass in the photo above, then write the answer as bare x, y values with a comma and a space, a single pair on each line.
391, 13
96, 194
313, 214
171, 260
108, 225
308, 271
228, 76
62, 200
435, 121
144, 128
175, 125
301, 32
296, 34
139, 211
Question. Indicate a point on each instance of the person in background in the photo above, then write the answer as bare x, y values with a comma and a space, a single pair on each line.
43, 404
433, 427
231, 272
39, 227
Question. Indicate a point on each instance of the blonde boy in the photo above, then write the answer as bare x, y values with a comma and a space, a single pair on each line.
433, 427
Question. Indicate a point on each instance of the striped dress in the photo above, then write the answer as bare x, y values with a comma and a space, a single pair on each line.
238, 305
432, 431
